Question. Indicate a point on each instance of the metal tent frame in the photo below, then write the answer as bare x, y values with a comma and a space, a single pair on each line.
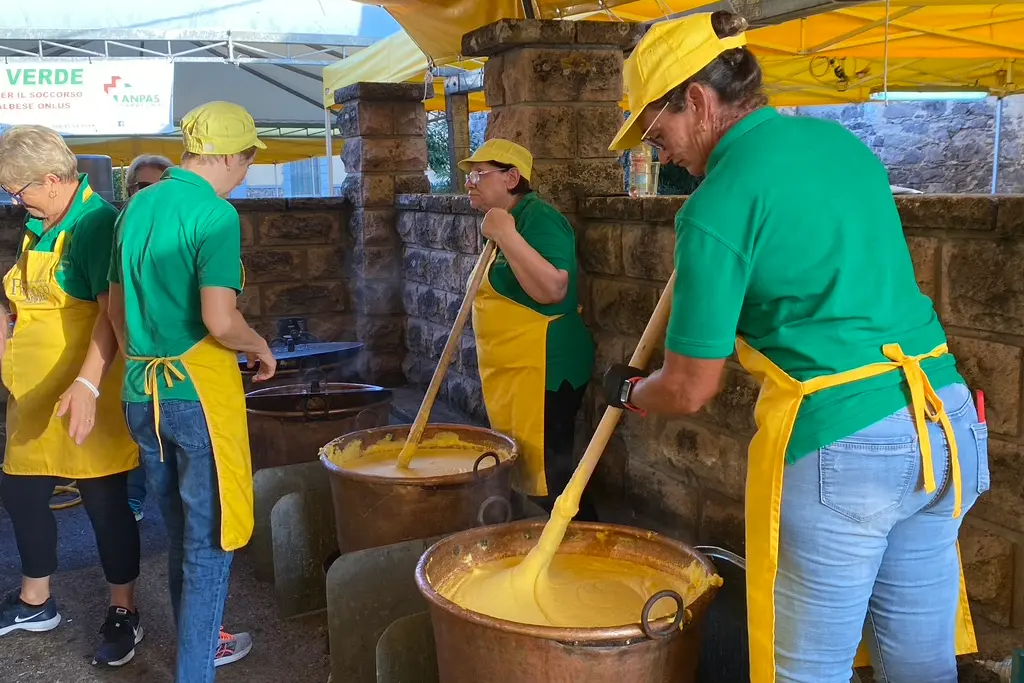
262, 54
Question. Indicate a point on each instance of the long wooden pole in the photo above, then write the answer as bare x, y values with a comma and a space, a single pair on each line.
450, 347
568, 502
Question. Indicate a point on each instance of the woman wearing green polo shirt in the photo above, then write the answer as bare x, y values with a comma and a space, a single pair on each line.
534, 352
868, 448
61, 365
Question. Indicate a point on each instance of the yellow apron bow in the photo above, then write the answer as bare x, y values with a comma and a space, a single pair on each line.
154, 366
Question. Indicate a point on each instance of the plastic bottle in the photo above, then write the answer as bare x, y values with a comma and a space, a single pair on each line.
639, 171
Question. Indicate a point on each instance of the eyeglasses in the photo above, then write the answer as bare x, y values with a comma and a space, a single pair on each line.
16, 196
473, 177
647, 140
135, 187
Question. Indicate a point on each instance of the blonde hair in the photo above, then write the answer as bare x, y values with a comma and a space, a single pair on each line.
147, 161
29, 153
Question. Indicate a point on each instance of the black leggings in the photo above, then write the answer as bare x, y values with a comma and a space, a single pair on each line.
27, 500
560, 409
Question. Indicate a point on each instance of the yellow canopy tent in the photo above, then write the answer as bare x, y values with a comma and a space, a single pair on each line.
122, 150
832, 58
396, 59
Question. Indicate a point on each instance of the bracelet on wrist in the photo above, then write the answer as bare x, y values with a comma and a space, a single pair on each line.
88, 385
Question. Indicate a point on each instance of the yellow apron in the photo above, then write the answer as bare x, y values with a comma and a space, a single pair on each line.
43, 357
213, 369
511, 348
775, 414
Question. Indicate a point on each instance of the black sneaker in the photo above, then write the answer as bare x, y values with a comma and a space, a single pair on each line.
121, 633
17, 616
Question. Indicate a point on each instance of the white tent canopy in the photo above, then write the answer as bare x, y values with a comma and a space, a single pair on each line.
267, 55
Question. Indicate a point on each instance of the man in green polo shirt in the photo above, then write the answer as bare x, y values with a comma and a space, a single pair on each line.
175, 276
534, 352
868, 448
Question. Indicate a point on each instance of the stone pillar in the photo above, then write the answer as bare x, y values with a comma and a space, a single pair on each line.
456, 114
385, 154
555, 87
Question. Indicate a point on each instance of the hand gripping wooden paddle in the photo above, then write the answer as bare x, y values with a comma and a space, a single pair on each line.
450, 347
568, 503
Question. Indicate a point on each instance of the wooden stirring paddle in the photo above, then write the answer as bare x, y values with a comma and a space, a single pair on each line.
568, 503
450, 347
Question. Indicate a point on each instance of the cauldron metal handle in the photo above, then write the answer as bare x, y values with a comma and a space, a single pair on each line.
487, 503
366, 419
480, 460
645, 615
315, 413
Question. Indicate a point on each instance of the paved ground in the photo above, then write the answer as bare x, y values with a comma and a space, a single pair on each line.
285, 652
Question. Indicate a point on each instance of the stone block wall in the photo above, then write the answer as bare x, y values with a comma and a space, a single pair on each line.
384, 127
938, 146
554, 87
441, 243
688, 474
297, 255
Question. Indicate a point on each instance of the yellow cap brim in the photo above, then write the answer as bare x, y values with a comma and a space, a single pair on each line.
195, 147
629, 134
466, 165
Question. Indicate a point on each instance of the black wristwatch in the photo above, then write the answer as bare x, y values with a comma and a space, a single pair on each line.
626, 393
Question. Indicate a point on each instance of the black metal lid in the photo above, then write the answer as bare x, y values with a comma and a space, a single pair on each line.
332, 399
309, 355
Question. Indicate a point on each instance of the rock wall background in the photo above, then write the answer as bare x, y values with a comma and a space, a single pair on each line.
297, 255
441, 243
935, 146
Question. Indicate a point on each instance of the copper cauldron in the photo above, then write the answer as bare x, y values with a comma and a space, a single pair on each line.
289, 423
372, 511
474, 648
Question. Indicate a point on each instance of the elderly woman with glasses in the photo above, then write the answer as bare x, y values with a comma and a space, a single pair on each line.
869, 449
145, 170
534, 352
62, 368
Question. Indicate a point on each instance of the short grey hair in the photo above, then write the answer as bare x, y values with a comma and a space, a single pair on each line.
29, 153
146, 161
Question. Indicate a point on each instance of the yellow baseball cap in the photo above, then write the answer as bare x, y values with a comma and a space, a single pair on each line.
669, 53
219, 128
504, 152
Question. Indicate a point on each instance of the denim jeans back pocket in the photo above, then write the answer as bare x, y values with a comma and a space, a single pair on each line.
980, 431
185, 421
863, 477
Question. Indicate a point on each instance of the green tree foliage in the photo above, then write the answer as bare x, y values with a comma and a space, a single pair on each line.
120, 191
438, 158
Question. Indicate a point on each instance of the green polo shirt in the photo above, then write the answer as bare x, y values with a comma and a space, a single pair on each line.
794, 242
172, 239
570, 348
89, 224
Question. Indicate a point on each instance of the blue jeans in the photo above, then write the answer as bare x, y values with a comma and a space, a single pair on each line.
185, 483
137, 484
863, 550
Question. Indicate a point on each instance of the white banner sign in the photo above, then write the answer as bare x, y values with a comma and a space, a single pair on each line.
112, 97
